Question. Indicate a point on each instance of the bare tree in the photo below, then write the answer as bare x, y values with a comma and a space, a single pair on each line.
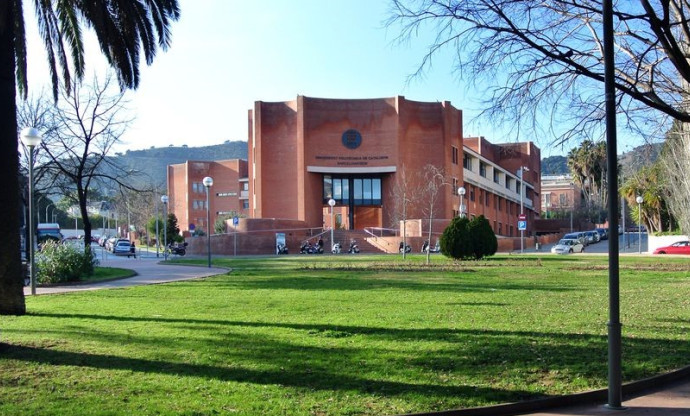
404, 194
543, 60
433, 182
87, 125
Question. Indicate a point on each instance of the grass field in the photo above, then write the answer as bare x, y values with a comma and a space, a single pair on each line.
347, 335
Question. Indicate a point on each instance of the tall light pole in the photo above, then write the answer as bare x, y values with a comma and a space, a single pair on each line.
208, 183
639, 200
331, 203
522, 205
47, 206
31, 138
461, 208
164, 200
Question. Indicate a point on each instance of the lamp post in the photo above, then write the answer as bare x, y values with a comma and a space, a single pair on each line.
522, 205
461, 208
47, 206
164, 200
208, 183
639, 200
31, 138
331, 203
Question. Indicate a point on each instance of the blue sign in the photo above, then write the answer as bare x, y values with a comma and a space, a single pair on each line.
522, 225
191, 227
235, 220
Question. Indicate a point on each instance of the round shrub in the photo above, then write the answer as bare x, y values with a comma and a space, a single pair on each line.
483, 237
456, 241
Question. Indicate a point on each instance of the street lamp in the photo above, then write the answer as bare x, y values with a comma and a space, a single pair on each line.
461, 208
639, 200
331, 202
31, 138
208, 183
164, 200
522, 204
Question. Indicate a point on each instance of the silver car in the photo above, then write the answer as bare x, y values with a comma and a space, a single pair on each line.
567, 246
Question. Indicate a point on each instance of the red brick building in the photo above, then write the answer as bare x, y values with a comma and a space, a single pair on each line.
304, 152
187, 194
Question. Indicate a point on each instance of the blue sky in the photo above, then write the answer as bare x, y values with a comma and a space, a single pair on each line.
226, 54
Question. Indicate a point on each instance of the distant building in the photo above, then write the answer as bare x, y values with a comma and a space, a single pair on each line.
187, 194
559, 194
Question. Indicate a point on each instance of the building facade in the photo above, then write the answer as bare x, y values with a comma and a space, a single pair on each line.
187, 195
560, 195
367, 154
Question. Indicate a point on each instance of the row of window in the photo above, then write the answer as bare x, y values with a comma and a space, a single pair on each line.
359, 191
467, 164
485, 198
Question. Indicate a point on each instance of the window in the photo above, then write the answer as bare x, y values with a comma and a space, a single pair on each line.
497, 177
507, 182
511, 230
455, 186
245, 186
467, 161
364, 191
499, 203
455, 154
482, 169
500, 228
562, 200
487, 198
245, 204
517, 187
471, 193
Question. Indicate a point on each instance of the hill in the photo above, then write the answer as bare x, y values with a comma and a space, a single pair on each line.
153, 162
554, 165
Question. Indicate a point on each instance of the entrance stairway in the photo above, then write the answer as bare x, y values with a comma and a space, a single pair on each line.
344, 236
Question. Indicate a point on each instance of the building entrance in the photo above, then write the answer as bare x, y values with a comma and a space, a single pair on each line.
357, 198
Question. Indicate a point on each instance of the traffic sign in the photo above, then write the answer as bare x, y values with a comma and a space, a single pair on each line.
235, 220
522, 225
522, 217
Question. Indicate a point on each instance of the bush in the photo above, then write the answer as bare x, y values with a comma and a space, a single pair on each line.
464, 239
483, 237
455, 240
57, 263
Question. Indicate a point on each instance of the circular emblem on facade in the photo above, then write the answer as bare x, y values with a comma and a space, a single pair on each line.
352, 139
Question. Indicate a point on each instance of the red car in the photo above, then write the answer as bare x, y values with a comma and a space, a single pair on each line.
681, 247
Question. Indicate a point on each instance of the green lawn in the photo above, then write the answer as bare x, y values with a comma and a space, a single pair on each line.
346, 335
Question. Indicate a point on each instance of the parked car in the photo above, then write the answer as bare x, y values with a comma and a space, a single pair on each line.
603, 233
680, 247
568, 245
579, 236
592, 237
102, 240
123, 248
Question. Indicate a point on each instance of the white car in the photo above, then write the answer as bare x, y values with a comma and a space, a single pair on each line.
567, 245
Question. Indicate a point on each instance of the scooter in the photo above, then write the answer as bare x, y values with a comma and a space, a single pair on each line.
354, 249
281, 249
306, 248
407, 248
425, 247
336, 248
437, 247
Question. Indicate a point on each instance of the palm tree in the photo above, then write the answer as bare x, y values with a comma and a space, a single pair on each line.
125, 30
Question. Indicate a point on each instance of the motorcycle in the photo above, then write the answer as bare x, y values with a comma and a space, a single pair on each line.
281, 249
308, 248
354, 249
407, 248
177, 250
437, 247
425, 247
336, 248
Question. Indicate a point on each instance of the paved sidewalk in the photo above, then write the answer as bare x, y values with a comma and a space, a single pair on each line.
149, 271
671, 400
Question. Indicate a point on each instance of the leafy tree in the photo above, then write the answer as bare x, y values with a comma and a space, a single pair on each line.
124, 33
456, 241
173, 229
483, 237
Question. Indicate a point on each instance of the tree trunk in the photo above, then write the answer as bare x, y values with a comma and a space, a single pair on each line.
11, 278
